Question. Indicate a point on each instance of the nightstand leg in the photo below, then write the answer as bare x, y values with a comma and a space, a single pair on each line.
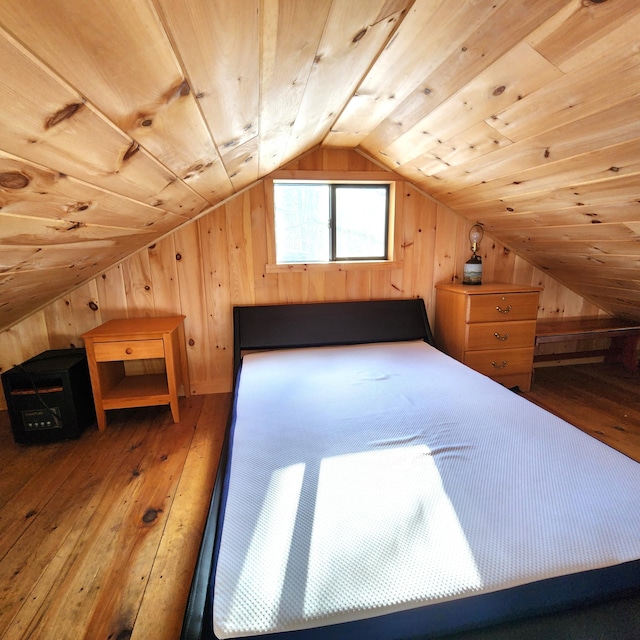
96, 386
175, 412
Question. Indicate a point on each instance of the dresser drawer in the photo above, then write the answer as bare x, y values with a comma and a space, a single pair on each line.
503, 335
500, 363
502, 307
128, 350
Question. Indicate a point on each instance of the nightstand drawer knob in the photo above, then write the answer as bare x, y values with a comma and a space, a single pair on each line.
500, 365
501, 310
128, 351
501, 338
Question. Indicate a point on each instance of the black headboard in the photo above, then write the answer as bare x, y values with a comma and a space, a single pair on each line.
328, 323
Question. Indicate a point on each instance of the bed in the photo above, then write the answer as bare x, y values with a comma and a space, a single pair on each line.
372, 487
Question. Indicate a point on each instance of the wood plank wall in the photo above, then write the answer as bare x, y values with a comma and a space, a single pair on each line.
218, 260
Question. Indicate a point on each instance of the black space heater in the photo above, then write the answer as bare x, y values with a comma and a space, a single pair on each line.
49, 396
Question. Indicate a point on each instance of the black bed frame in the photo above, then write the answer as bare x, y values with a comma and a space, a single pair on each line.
322, 324
340, 323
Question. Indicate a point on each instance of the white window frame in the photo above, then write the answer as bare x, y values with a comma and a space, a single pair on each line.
394, 259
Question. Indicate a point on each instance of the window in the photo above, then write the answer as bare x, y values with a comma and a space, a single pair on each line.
331, 222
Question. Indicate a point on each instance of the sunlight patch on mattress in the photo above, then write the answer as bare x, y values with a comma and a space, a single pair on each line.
271, 541
392, 537
383, 535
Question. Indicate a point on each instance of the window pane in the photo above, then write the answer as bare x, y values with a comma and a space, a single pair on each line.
302, 222
361, 222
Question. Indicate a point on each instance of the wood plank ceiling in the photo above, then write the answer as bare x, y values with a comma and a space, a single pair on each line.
122, 119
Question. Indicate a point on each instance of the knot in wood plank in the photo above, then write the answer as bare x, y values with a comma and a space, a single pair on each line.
62, 114
13, 180
361, 34
150, 515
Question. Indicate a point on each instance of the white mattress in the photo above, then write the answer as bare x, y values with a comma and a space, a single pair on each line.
375, 478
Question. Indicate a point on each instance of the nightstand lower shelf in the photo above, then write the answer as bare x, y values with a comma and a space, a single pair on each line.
138, 391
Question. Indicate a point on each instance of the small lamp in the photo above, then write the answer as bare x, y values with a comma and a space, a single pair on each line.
472, 271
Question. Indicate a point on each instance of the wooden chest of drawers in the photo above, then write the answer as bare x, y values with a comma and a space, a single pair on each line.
489, 327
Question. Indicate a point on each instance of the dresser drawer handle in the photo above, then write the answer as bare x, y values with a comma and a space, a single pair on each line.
501, 338
128, 351
501, 310
500, 365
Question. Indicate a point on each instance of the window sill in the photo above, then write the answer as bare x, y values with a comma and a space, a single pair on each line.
359, 265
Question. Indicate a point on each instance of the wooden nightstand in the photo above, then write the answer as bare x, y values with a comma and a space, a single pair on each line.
489, 327
111, 344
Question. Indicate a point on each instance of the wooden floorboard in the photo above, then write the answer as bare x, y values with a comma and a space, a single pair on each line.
98, 536
601, 399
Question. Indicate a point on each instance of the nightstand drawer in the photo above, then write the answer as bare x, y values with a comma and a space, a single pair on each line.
128, 350
505, 335
504, 362
502, 307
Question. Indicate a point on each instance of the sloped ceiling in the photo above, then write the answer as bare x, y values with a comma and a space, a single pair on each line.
122, 119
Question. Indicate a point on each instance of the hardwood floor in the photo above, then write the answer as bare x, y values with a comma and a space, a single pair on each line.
98, 537
601, 399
